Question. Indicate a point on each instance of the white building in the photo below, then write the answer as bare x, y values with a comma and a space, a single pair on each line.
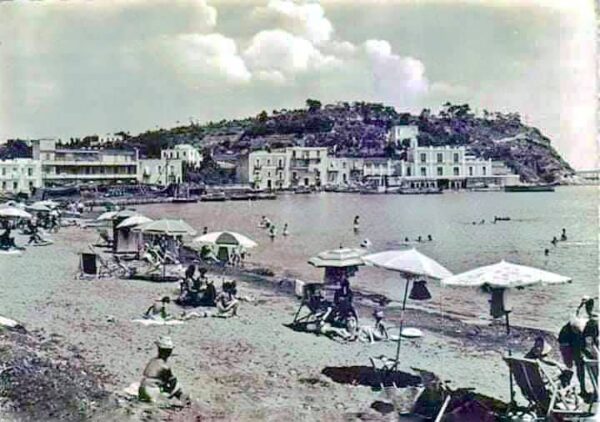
69, 166
160, 171
289, 167
344, 171
20, 175
185, 152
401, 133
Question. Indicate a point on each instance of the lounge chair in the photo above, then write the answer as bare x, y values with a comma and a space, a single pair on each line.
312, 300
546, 397
111, 267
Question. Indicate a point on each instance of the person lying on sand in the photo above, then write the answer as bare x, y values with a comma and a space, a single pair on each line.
158, 310
377, 332
158, 382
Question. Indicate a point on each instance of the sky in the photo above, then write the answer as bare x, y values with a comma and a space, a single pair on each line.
71, 68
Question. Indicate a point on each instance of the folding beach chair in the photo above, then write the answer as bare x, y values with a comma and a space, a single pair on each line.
111, 267
313, 301
546, 397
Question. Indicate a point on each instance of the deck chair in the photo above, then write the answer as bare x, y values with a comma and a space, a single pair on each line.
313, 301
546, 397
111, 267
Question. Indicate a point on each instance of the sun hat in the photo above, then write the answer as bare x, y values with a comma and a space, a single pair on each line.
546, 348
164, 342
578, 323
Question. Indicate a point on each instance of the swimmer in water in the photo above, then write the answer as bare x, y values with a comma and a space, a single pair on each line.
285, 230
419, 239
365, 244
546, 252
554, 241
429, 238
356, 224
563, 236
406, 240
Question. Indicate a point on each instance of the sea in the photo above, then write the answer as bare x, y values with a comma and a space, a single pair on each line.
460, 224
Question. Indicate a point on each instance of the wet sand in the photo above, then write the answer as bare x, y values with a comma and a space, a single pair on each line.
250, 367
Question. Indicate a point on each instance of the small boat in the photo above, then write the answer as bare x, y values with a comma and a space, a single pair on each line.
529, 188
241, 196
184, 199
303, 190
213, 197
420, 191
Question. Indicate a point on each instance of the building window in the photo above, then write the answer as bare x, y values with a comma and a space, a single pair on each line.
408, 171
280, 164
268, 174
268, 162
423, 157
294, 175
3, 172
440, 171
15, 185
29, 172
456, 157
318, 153
456, 171
293, 154
484, 171
30, 185
440, 157
423, 171
343, 164
4, 185
470, 171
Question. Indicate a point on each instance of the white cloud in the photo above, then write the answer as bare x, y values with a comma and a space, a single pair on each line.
278, 50
298, 17
212, 54
394, 76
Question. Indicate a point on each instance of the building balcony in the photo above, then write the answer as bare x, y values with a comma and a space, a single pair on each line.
81, 163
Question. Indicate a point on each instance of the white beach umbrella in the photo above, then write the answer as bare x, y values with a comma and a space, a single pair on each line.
134, 221
226, 238
38, 207
338, 258
13, 212
170, 227
106, 216
504, 275
48, 203
410, 264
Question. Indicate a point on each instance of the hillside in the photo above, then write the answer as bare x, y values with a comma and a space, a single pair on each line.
360, 129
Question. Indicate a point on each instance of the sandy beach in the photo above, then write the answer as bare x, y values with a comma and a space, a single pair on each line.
251, 367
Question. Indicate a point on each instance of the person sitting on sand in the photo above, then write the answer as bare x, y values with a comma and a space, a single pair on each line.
227, 303
6, 241
378, 332
540, 351
158, 310
208, 254
158, 382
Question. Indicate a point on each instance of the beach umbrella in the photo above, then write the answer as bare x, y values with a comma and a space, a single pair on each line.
38, 207
14, 204
504, 275
14, 212
48, 203
410, 264
338, 258
134, 220
169, 227
225, 239
106, 216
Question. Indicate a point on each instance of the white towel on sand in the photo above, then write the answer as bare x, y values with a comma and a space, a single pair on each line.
158, 321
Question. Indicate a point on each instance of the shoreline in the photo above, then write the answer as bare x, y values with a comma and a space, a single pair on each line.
249, 367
